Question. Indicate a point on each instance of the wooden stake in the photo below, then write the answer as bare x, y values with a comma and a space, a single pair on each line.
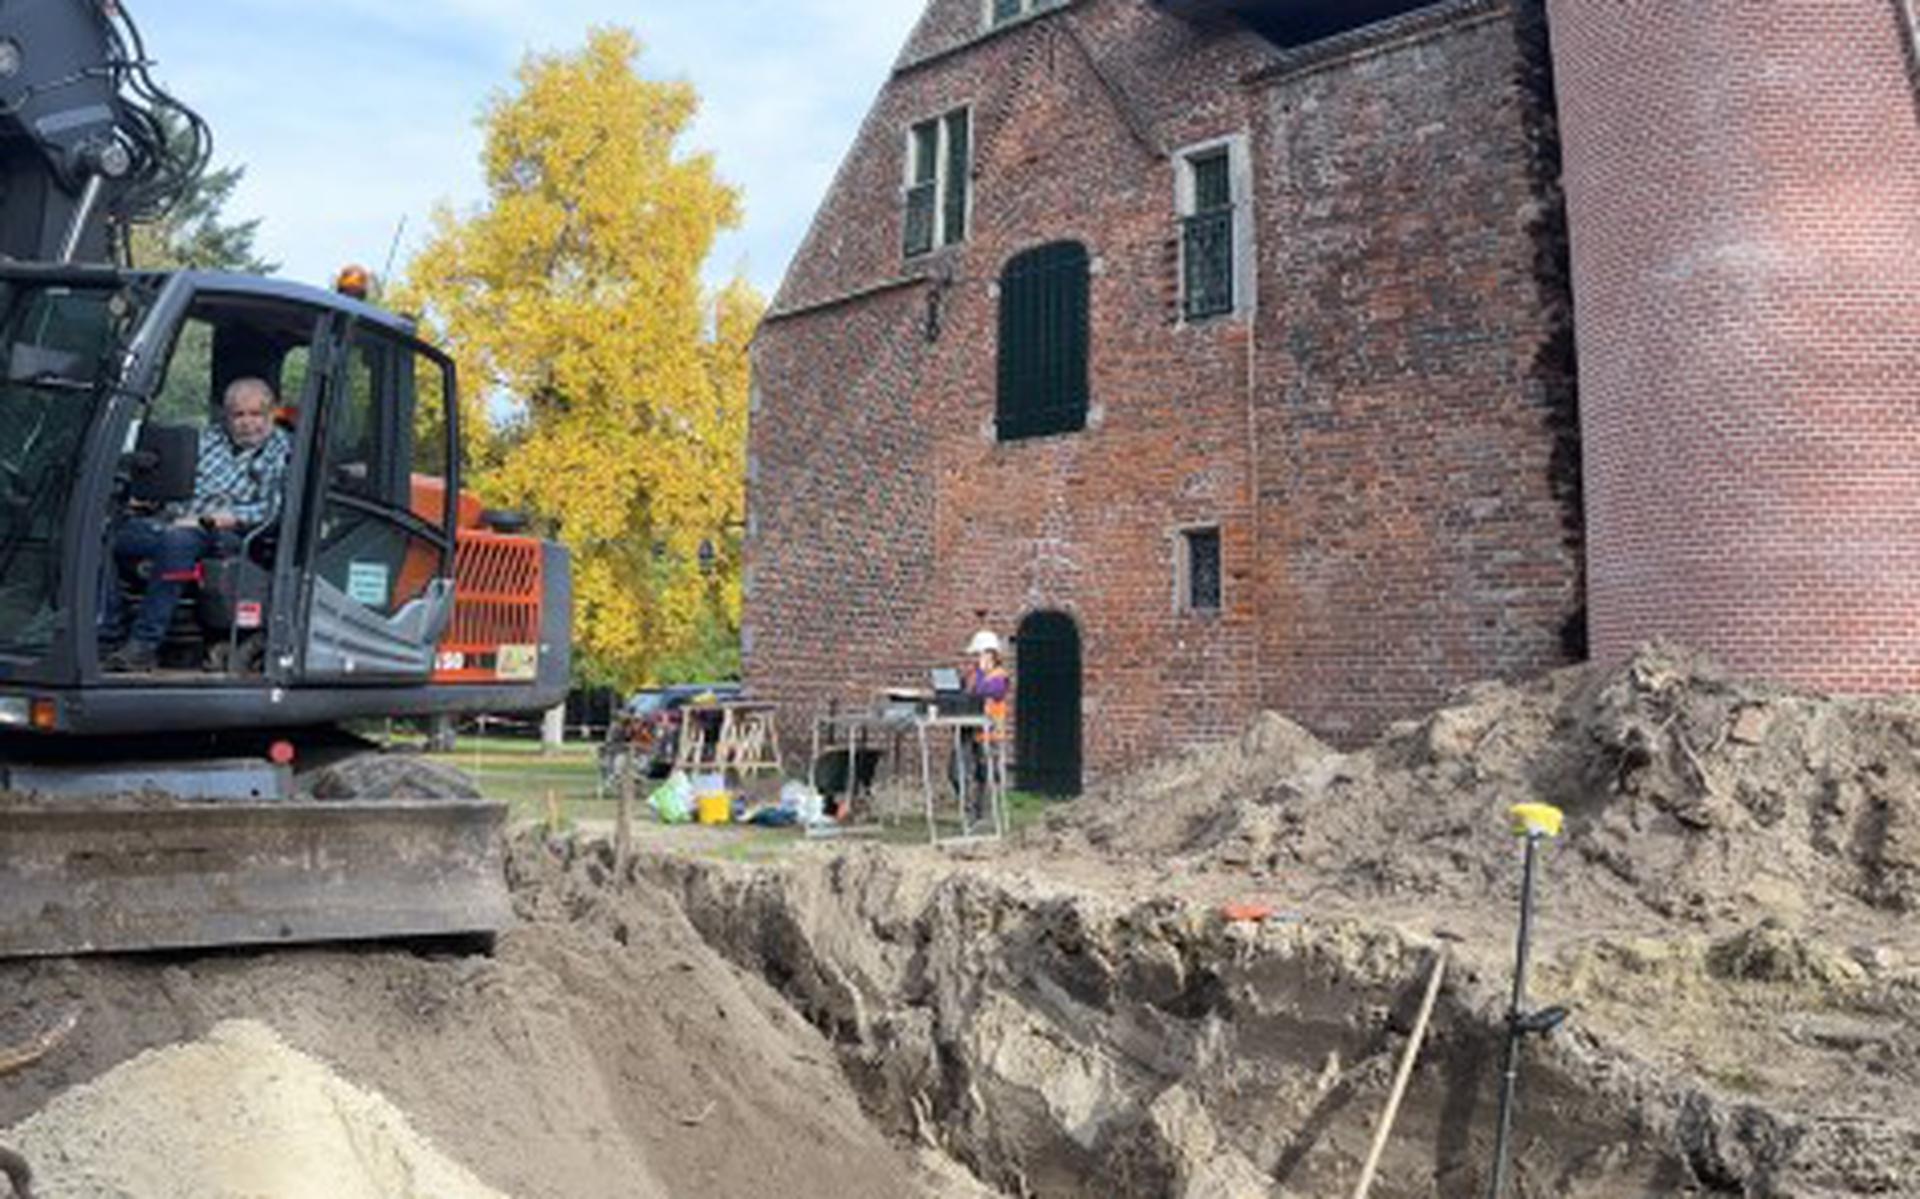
1400, 1077
623, 824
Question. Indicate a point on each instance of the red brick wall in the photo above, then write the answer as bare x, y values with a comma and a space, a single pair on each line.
840, 549
1413, 391
1743, 186
1424, 418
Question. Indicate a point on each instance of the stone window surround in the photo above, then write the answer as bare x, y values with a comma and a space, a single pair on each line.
941, 182
1183, 569
1029, 9
1240, 176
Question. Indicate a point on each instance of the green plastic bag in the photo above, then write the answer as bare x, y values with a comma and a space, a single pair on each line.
672, 801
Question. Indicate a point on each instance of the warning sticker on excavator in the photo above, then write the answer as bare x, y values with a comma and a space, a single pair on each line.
367, 583
517, 662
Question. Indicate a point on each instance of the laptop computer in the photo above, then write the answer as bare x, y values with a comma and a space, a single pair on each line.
950, 698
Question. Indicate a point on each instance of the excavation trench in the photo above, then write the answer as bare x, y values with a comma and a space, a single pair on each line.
1728, 914
1063, 1043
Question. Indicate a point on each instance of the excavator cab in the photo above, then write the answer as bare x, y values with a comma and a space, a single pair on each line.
368, 570
375, 590
348, 596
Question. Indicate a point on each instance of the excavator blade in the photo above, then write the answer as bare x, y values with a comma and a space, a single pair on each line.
124, 877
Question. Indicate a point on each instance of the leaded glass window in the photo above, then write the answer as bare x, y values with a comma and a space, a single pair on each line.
1207, 237
1201, 551
938, 178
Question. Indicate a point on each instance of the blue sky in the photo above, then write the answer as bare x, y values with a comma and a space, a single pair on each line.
352, 114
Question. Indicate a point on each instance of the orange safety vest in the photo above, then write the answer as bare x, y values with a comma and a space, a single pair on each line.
995, 709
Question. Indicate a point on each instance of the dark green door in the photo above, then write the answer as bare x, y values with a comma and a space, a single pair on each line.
1047, 704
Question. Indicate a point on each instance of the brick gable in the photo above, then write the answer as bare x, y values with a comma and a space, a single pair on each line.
1372, 433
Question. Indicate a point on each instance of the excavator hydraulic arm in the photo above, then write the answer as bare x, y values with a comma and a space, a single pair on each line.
184, 826
88, 142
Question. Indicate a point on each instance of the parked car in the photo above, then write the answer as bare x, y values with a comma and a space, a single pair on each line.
645, 734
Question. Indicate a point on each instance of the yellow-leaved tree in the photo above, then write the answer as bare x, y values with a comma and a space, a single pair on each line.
604, 389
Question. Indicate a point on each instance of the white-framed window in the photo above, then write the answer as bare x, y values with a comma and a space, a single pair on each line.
1198, 581
1001, 12
1213, 194
939, 191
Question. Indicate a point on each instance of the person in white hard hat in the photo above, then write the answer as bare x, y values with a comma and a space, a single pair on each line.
984, 676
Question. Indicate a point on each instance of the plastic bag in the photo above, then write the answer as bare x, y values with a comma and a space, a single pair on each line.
802, 800
672, 800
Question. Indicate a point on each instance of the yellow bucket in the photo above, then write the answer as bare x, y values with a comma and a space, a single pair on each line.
714, 808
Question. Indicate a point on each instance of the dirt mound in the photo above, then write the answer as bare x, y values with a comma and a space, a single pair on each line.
1075, 1014
1687, 793
237, 1113
603, 1051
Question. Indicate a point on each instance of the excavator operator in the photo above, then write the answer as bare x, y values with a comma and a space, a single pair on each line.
236, 487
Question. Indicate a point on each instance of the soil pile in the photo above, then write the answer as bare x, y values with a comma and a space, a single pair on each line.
237, 1113
1687, 794
1073, 1014
1726, 913
603, 1052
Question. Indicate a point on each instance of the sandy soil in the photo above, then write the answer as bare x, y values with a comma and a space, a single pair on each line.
1728, 913
235, 1113
598, 1053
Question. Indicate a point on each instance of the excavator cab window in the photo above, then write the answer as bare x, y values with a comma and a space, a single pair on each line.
220, 624
226, 338
182, 398
373, 545
382, 563
56, 344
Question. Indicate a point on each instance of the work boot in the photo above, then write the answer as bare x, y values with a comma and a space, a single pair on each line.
135, 657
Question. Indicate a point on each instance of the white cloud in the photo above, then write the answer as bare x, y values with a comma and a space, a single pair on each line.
352, 115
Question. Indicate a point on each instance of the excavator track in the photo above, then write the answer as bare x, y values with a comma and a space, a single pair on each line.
141, 872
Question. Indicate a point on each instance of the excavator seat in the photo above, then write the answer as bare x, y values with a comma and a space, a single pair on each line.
230, 605
220, 623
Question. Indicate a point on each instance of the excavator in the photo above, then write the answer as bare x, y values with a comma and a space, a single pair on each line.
231, 793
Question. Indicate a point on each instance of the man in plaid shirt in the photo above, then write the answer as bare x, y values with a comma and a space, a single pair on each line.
237, 486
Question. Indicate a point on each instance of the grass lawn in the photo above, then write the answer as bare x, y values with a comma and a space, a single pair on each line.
515, 770
566, 782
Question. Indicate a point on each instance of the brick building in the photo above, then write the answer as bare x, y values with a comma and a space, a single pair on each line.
1747, 266
1223, 352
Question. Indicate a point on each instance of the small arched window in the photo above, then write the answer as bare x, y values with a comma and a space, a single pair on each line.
1043, 342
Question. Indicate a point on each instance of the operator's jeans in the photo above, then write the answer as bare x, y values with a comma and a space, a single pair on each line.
173, 550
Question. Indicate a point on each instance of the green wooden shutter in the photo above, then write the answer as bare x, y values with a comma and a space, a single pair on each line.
1043, 342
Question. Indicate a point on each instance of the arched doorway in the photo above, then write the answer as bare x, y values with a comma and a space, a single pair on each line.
1047, 705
